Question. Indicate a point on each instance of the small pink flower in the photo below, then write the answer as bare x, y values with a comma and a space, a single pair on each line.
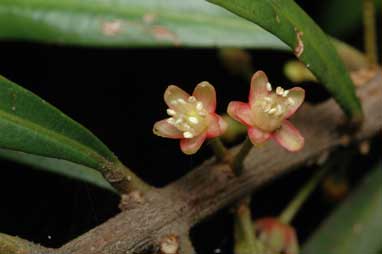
267, 112
192, 118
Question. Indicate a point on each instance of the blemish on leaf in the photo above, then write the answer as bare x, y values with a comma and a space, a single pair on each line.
111, 28
149, 18
278, 19
299, 49
163, 34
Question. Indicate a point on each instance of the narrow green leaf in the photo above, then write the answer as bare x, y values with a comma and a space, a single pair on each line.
286, 20
60, 167
129, 23
356, 226
31, 125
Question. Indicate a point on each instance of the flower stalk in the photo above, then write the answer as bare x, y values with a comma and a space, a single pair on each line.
370, 35
237, 163
294, 206
245, 238
219, 149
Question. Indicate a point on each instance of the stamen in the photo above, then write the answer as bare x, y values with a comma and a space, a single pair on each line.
181, 101
291, 101
191, 99
171, 121
171, 112
187, 134
272, 111
267, 108
186, 126
193, 120
269, 87
199, 105
178, 121
174, 102
286, 92
279, 90
280, 110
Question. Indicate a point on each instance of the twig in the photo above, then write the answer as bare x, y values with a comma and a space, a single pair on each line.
15, 245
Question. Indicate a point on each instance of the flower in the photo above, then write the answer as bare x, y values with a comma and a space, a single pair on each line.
192, 118
276, 236
266, 113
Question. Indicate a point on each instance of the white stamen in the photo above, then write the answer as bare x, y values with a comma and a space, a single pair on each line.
171, 121
191, 99
279, 90
269, 87
202, 113
187, 134
186, 126
193, 120
174, 102
280, 110
199, 105
181, 101
171, 112
272, 111
178, 121
291, 101
286, 92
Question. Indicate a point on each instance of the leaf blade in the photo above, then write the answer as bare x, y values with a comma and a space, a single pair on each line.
30, 124
292, 25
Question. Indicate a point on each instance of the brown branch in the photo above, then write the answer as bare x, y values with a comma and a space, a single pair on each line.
15, 245
208, 188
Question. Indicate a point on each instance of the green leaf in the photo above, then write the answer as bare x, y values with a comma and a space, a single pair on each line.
31, 125
286, 20
356, 226
60, 167
130, 23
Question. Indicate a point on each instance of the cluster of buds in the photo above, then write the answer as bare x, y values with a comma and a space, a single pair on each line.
192, 118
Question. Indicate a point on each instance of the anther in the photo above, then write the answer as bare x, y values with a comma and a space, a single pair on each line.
181, 101
291, 101
193, 120
191, 99
171, 112
269, 87
171, 121
279, 90
187, 134
286, 92
272, 111
268, 99
178, 121
174, 102
199, 105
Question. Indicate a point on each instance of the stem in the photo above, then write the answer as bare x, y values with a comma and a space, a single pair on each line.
370, 38
123, 179
237, 164
294, 206
219, 149
245, 240
14, 245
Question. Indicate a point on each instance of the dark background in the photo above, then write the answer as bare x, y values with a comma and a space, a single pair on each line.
117, 94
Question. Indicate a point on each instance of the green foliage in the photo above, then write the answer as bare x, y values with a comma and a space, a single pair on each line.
132, 23
286, 20
31, 125
356, 226
60, 167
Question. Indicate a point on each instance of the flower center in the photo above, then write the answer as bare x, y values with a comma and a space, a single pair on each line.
270, 110
189, 116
